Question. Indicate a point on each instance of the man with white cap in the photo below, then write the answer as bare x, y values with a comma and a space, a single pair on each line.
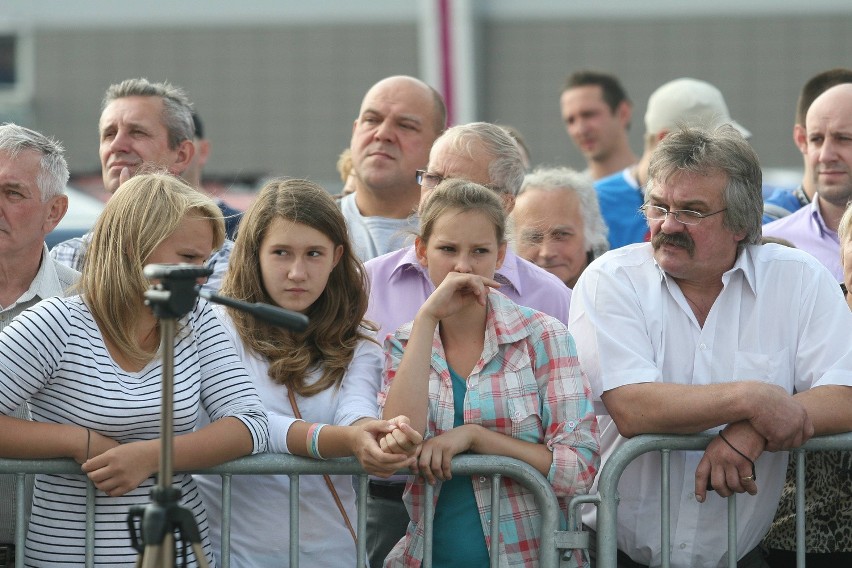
682, 102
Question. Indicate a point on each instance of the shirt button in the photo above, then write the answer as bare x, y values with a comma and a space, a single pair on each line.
703, 346
682, 545
571, 423
482, 479
517, 414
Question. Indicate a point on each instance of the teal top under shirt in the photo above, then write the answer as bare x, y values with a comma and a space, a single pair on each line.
458, 539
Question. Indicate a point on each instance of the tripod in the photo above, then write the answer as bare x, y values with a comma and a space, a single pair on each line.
170, 300
153, 527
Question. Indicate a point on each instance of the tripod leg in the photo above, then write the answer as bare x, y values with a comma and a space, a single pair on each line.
199, 555
152, 556
169, 551
159, 555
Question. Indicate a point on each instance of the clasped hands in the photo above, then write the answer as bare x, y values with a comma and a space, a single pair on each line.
432, 458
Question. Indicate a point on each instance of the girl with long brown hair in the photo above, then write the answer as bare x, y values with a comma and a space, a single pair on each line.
319, 386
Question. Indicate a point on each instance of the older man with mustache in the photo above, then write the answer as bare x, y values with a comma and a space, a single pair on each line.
705, 330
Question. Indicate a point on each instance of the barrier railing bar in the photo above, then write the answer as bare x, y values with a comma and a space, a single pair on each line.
294, 520
575, 537
226, 521
90, 524
665, 509
611, 473
283, 464
552, 539
523, 473
20, 518
361, 530
732, 531
800, 508
495, 520
428, 524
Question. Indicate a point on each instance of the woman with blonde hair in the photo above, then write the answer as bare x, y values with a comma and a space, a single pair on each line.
319, 386
478, 373
89, 367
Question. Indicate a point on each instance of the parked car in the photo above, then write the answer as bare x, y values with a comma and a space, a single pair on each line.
83, 211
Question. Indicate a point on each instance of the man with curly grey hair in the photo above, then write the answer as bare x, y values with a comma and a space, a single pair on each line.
557, 222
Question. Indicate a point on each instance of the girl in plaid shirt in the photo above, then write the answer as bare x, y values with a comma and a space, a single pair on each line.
477, 373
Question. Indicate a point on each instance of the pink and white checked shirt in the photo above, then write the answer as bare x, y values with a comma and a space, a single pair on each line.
527, 385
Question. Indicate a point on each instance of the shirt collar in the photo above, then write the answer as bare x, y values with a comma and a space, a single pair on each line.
44, 285
743, 263
816, 217
503, 319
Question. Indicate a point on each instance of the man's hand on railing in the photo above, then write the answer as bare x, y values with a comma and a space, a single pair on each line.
779, 418
728, 470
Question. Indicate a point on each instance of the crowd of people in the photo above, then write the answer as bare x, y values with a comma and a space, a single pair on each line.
459, 301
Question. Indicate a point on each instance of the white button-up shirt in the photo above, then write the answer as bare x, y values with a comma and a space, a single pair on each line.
780, 318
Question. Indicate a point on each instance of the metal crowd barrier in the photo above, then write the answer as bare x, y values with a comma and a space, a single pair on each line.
552, 539
20, 468
607, 497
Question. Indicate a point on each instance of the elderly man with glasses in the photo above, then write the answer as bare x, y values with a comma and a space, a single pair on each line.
705, 329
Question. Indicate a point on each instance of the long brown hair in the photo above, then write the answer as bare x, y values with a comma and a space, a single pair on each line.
336, 317
143, 212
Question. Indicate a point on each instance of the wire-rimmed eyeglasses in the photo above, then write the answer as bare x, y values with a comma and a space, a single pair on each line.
428, 179
685, 216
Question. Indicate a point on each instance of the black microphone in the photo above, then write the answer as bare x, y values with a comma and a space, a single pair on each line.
294, 321
176, 272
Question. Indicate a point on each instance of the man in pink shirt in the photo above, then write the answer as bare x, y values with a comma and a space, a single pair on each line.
828, 152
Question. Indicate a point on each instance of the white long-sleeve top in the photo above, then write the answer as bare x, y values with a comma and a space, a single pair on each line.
260, 527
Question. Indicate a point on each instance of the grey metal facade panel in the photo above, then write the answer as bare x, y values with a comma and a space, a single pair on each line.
280, 99
759, 63
275, 100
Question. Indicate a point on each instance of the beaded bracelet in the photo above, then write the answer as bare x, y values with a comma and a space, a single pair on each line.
313, 440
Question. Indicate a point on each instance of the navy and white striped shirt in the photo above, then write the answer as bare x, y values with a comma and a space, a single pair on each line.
54, 356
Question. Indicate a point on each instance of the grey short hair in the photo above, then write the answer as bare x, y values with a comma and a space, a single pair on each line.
177, 110
723, 149
506, 170
53, 169
571, 181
